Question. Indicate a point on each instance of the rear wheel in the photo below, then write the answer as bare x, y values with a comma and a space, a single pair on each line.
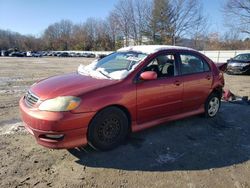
212, 105
108, 129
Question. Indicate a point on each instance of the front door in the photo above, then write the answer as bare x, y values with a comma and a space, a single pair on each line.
161, 97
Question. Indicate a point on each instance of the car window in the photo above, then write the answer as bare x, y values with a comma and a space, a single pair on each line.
163, 65
192, 64
115, 66
242, 57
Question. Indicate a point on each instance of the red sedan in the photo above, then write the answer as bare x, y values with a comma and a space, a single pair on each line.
129, 90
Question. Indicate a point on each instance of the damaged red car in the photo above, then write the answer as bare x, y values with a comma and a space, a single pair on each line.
129, 90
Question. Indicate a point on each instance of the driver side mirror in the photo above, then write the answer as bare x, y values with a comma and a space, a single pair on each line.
148, 75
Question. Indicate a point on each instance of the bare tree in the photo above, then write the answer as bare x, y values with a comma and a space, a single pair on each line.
199, 33
79, 37
112, 29
90, 28
4, 39
187, 14
122, 15
143, 9
132, 18
58, 35
132, 21
9, 39
239, 13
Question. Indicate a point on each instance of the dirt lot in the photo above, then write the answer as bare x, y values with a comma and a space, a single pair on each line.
194, 152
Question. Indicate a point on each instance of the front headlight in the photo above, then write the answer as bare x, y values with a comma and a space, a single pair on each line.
60, 104
244, 64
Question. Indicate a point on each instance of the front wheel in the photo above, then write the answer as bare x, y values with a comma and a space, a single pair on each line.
108, 129
212, 105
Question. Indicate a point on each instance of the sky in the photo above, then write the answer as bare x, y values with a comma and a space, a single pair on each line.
34, 16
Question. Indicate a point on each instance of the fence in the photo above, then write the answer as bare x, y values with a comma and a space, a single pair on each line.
223, 56
216, 56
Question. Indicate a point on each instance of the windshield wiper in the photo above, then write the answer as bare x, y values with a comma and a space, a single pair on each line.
104, 74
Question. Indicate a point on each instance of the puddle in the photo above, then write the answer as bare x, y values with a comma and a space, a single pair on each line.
245, 147
168, 158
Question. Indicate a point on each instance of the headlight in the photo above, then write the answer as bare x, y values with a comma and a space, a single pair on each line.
60, 104
244, 64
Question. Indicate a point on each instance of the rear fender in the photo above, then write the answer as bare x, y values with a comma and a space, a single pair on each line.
222, 66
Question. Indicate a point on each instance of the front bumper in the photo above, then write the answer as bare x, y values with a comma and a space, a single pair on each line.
238, 69
72, 126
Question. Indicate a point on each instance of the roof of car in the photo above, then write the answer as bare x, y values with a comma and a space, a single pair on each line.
149, 49
243, 54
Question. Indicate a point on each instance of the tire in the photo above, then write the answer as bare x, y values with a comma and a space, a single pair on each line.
212, 105
108, 129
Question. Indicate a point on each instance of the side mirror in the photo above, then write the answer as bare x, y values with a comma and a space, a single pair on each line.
148, 75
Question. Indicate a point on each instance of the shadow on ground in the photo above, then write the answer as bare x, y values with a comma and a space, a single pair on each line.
194, 143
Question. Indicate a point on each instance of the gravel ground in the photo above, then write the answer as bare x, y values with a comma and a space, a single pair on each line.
194, 152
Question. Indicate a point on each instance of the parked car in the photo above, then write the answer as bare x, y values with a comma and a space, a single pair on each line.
50, 54
84, 55
88, 55
57, 54
91, 55
7, 52
63, 54
29, 54
36, 54
240, 64
44, 53
72, 54
16, 54
101, 56
130, 90
24, 54
3, 53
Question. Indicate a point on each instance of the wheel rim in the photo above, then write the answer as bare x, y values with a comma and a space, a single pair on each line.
213, 106
109, 130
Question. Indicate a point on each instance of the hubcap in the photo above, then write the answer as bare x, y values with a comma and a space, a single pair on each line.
213, 106
109, 130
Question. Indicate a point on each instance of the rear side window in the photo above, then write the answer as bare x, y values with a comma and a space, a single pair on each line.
191, 64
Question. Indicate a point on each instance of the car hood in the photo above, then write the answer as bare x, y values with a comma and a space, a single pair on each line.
239, 61
72, 84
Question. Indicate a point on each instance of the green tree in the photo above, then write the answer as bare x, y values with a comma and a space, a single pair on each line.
161, 21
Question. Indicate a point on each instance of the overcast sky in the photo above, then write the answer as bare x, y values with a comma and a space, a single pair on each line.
34, 16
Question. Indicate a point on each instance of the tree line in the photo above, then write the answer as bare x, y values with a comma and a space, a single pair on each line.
136, 22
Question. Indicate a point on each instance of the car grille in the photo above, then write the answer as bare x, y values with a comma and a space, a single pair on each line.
31, 99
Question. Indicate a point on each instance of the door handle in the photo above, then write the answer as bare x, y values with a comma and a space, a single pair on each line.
177, 83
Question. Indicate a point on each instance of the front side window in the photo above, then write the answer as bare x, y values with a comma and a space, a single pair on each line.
163, 65
191, 64
115, 66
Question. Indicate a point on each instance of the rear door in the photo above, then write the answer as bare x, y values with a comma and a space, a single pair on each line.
197, 80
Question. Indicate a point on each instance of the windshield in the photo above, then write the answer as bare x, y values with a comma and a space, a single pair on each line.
115, 66
243, 57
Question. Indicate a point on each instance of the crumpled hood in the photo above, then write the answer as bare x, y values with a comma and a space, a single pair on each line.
72, 84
